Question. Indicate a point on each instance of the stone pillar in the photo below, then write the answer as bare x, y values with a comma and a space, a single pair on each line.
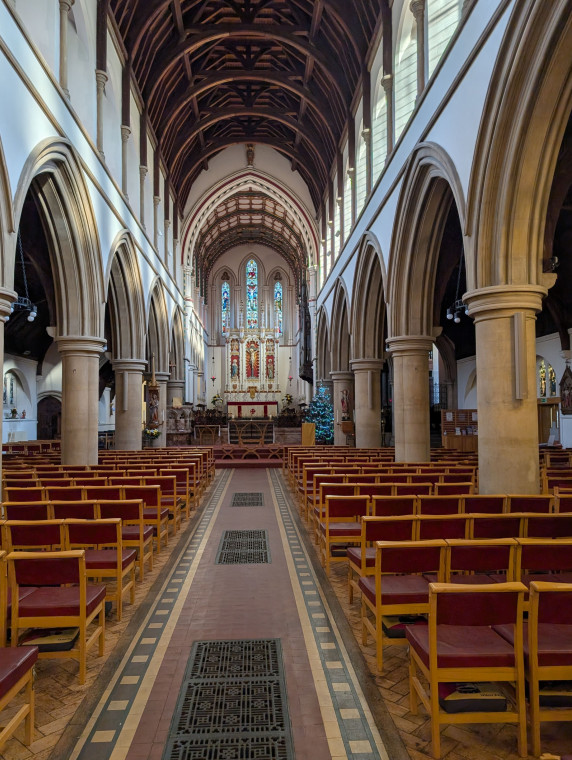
175, 389
353, 191
65, 7
506, 386
387, 84
142, 175
162, 381
367, 380
366, 134
156, 202
167, 226
411, 430
6, 298
101, 79
128, 403
80, 397
343, 381
418, 10
125, 135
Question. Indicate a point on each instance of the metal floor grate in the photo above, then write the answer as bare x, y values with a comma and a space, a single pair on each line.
243, 547
247, 499
232, 704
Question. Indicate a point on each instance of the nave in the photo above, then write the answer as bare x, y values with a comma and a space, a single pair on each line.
334, 704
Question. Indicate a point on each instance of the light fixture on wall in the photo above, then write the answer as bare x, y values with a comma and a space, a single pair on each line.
458, 307
23, 302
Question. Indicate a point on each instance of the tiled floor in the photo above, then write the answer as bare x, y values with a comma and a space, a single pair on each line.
338, 705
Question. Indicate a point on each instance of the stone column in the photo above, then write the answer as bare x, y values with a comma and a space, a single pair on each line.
366, 134
167, 226
80, 397
162, 381
125, 135
353, 191
6, 298
506, 385
411, 397
387, 84
156, 202
367, 380
343, 381
142, 175
128, 403
175, 388
418, 10
65, 7
100, 78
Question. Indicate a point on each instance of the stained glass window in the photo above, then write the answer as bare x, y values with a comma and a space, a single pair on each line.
278, 305
552, 380
542, 379
251, 295
225, 295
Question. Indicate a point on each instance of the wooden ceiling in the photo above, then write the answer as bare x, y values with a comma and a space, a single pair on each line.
213, 73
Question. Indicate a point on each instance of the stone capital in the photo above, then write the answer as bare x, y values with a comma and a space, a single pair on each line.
387, 83
125, 133
6, 299
367, 365
342, 376
143, 171
101, 78
80, 345
501, 301
417, 8
162, 377
129, 365
409, 344
65, 5
156, 200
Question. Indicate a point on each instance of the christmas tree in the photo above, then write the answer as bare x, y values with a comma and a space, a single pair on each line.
321, 413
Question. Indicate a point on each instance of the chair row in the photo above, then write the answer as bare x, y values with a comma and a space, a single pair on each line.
106, 555
477, 634
138, 528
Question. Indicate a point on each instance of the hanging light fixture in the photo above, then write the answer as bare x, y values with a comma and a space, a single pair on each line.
458, 307
213, 376
23, 302
290, 371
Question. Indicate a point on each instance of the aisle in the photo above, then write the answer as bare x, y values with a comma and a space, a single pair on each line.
279, 604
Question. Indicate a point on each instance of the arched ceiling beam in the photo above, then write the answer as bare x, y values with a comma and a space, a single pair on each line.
232, 113
294, 155
211, 81
204, 34
339, 9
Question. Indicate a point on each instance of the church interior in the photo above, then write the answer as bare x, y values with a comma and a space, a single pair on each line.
284, 286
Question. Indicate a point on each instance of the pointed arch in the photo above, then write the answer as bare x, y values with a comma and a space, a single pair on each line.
323, 352
158, 328
521, 131
53, 172
177, 346
340, 333
125, 300
430, 185
368, 323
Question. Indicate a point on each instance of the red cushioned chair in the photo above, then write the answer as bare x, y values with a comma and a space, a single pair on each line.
154, 513
361, 558
459, 644
340, 526
61, 598
134, 532
105, 556
480, 560
398, 586
547, 649
542, 559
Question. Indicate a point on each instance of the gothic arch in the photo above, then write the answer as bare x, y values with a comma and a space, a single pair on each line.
158, 329
126, 300
368, 301
340, 339
430, 185
53, 172
7, 226
323, 353
523, 122
177, 348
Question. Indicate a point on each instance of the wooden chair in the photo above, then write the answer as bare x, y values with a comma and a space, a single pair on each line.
494, 504
529, 503
134, 532
16, 674
392, 506
442, 526
460, 645
542, 559
361, 557
454, 489
154, 513
495, 526
440, 505
181, 476
480, 560
34, 510
61, 599
23, 494
398, 586
37, 535
105, 556
548, 526
341, 526
168, 496
84, 509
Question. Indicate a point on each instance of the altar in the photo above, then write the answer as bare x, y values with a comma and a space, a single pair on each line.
243, 409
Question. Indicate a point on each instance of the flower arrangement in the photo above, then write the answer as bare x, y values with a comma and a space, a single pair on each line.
151, 433
288, 398
216, 400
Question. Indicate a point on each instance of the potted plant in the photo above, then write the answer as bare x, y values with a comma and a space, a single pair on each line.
151, 434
